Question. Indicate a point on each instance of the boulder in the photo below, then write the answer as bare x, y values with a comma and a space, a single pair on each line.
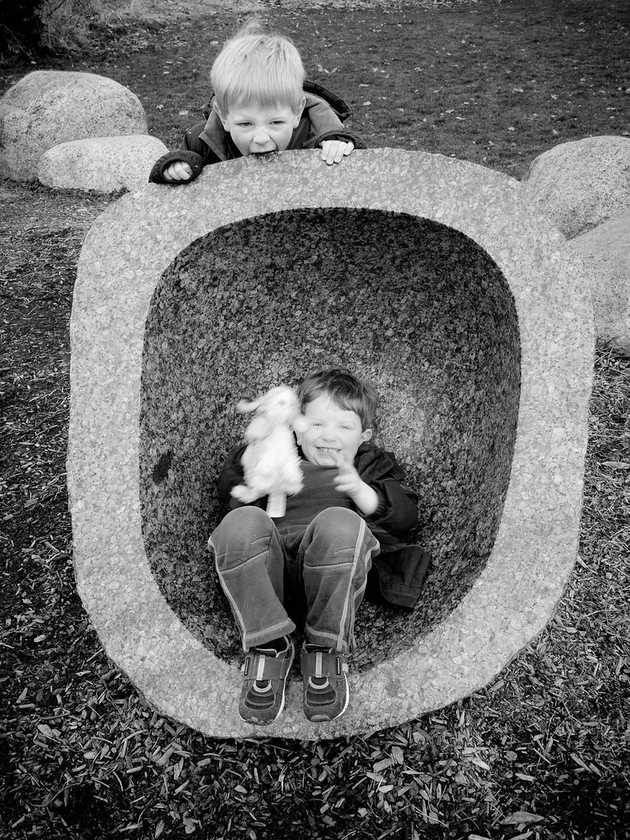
580, 184
49, 107
605, 252
103, 164
426, 275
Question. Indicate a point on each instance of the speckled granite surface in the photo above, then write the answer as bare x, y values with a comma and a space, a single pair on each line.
426, 274
414, 306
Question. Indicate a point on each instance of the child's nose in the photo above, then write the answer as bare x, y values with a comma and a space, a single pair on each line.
261, 135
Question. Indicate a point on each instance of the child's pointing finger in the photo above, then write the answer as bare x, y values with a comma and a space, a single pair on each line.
341, 461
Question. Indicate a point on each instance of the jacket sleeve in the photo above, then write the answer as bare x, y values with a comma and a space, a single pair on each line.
194, 160
397, 511
321, 116
230, 476
326, 125
191, 152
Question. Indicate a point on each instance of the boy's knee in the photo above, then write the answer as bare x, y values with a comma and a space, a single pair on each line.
243, 524
248, 515
339, 525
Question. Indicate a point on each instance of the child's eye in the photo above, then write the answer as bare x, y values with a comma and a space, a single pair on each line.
277, 122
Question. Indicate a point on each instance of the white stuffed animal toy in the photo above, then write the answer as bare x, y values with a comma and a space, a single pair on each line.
271, 465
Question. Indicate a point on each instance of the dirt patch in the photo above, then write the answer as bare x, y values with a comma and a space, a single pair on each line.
159, 11
35, 208
31, 213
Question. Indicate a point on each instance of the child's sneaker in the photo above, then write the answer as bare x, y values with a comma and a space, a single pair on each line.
325, 693
265, 672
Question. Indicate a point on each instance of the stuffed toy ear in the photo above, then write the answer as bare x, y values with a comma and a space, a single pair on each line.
243, 406
300, 424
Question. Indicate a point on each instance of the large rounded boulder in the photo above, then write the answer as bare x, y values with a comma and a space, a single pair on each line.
101, 164
582, 183
605, 252
49, 107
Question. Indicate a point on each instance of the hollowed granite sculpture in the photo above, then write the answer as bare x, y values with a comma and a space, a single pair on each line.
427, 275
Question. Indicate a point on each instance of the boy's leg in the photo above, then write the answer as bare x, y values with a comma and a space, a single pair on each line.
335, 556
336, 553
250, 562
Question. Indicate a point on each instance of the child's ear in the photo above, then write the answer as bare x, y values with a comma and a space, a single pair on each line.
366, 435
297, 116
223, 119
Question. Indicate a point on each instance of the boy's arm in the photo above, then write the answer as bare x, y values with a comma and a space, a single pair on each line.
342, 135
397, 510
231, 475
334, 151
349, 481
165, 168
190, 157
328, 131
326, 125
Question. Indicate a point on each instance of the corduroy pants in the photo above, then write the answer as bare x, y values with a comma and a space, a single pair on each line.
272, 575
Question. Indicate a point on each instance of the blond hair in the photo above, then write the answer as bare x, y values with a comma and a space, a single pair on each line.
256, 66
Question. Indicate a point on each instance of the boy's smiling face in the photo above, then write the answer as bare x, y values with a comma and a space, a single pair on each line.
334, 433
260, 128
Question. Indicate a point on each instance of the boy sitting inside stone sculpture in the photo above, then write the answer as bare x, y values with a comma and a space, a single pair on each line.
311, 564
262, 103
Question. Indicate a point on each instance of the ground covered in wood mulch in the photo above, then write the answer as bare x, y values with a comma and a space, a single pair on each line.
541, 753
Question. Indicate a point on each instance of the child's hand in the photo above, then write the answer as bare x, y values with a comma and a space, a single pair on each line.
349, 481
178, 171
334, 151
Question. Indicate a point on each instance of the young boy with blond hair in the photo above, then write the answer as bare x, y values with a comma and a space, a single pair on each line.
311, 565
262, 103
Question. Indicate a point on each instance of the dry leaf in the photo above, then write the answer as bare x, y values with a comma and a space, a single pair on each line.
522, 817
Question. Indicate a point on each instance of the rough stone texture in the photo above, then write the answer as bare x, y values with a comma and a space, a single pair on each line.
103, 164
605, 252
580, 184
427, 274
454, 433
49, 107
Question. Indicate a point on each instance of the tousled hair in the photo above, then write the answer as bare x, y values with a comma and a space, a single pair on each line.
257, 66
345, 389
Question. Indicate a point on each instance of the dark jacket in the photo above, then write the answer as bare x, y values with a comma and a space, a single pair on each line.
400, 568
208, 142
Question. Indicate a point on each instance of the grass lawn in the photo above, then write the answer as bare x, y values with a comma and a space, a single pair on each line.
541, 753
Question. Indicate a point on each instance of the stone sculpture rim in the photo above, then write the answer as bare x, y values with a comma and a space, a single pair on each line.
142, 635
